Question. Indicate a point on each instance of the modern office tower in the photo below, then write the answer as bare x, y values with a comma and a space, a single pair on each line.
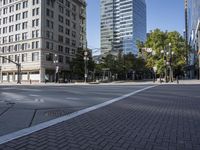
43, 35
123, 23
186, 28
192, 17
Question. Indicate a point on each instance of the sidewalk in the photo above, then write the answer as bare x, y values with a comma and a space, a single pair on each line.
163, 118
184, 82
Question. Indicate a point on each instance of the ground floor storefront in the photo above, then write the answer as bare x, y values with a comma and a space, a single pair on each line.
42, 75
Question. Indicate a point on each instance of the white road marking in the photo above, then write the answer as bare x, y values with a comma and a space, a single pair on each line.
34, 95
72, 98
27, 131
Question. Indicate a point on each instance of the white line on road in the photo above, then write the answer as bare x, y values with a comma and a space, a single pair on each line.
27, 131
72, 98
34, 95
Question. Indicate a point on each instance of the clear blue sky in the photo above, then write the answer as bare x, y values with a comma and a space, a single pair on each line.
163, 14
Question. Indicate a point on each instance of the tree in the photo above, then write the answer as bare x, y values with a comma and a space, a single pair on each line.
123, 65
77, 64
159, 41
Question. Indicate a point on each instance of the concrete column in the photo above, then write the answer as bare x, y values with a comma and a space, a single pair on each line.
13, 77
8, 77
42, 75
28, 76
1, 76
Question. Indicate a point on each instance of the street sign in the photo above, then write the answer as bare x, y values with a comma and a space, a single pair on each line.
85, 75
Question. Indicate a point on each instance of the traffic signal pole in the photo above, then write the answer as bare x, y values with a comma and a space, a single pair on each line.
18, 67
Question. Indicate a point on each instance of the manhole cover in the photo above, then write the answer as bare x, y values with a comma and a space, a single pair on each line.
55, 113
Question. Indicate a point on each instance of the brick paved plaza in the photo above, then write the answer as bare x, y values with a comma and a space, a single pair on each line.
162, 118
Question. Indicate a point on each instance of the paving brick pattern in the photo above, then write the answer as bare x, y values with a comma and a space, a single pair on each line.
163, 118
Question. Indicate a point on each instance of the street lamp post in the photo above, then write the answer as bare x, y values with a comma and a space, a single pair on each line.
165, 62
18, 71
170, 63
85, 62
155, 71
57, 68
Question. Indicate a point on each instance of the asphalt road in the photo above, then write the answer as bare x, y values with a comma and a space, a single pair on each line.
25, 106
166, 117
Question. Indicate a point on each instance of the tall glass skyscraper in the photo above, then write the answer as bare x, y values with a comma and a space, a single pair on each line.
123, 23
193, 34
193, 17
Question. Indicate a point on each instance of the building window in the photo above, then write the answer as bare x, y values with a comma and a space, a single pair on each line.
35, 11
49, 45
60, 29
35, 45
67, 3
60, 19
11, 38
67, 13
49, 57
17, 27
24, 25
11, 28
35, 23
61, 9
67, 50
35, 34
5, 20
18, 6
5, 10
67, 41
67, 31
11, 8
24, 57
50, 3
73, 43
49, 24
18, 16
73, 34
25, 14
73, 7
49, 35
73, 51
17, 47
60, 58
17, 37
11, 18
4, 30
36, 2
24, 46
24, 36
35, 56
60, 48
4, 39
50, 13
60, 38
25, 4
67, 60
67, 22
